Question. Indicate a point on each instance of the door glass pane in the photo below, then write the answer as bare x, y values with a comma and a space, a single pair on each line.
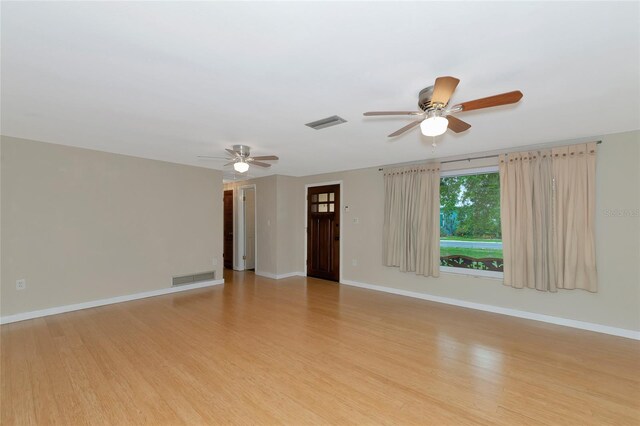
314, 208
331, 196
314, 198
323, 208
331, 206
323, 197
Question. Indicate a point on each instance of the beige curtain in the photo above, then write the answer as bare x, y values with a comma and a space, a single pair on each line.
411, 234
547, 213
574, 170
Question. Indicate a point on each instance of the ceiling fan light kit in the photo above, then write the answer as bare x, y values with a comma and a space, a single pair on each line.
435, 125
240, 166
435, 118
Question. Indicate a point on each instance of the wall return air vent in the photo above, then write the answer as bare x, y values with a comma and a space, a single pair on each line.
326, 122
194, 278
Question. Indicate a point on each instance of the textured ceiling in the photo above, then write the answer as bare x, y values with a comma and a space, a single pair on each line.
174, 80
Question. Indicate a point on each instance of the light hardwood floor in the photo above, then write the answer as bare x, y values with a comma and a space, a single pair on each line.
303, 351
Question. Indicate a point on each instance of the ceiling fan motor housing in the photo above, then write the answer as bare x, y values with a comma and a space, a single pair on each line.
424, 98
242, 150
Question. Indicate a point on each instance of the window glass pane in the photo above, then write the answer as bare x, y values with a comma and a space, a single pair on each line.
331, 196
323, 197
314, 198
470, 234
323, 208
331, 206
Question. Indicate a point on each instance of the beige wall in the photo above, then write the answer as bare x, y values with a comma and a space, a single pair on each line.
618, 245
278, 212
290, 208
249, 236
82, 225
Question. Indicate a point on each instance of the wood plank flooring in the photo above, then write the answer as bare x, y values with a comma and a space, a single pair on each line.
302, 351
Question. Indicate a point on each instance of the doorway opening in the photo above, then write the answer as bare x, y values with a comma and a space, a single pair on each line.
323, 231
227, 249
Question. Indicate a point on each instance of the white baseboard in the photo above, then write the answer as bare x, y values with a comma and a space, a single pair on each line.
281, 276
266, 274
598, 328
291, 274
101, 302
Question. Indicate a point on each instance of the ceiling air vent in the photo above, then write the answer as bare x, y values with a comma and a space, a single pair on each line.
326, 122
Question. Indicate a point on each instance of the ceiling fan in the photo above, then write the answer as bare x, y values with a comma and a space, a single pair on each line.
240, 157
436, 117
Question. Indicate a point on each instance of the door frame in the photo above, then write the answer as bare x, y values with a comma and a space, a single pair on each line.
342, 223
240, 264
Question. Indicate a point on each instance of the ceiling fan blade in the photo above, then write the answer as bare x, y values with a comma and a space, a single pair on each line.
443, 89
392, 113
228, 164
492, 101
457, 125
405, 128
232, 152
266, 157
211, 157
260, 164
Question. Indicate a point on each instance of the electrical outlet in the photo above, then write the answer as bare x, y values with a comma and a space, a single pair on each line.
356, 220
21, 284
354, 262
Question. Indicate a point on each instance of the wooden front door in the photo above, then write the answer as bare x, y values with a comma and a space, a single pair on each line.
323, 232
228, 229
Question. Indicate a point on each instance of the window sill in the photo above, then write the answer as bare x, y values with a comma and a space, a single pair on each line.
472, 272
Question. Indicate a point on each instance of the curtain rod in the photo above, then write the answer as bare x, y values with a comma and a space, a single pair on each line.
475, 158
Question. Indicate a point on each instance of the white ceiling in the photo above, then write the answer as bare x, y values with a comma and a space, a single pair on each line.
174, 80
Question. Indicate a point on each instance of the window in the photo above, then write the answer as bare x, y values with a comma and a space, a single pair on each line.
470, 233
323, 203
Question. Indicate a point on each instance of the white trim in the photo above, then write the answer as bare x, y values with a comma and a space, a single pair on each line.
101, 302
472, 171
239, 237
598, 328
266, 274
495, 275
281, 276
342, 224
291, 274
